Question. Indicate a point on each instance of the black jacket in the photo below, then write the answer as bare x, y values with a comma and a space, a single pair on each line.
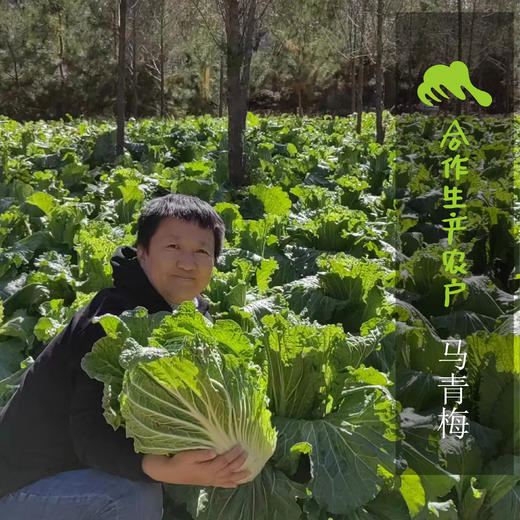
54, 422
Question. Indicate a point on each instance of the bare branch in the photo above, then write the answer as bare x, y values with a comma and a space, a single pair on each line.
205, 22
267, 4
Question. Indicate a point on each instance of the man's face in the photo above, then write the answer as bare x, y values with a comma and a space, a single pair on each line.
180, 259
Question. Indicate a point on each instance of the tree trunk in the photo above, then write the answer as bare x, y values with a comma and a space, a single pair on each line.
221, 86
62, 68
509, 91
16, 75
134, 62
359, 102
121, 69
236, 125
161, 58
353, 98
15, 64
459, 36
459, 49
115, 29
354, 67
361, 69
380, 135
61, 46
410, 97
239, 52
471, 33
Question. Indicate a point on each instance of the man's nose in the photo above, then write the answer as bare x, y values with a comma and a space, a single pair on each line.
186, 260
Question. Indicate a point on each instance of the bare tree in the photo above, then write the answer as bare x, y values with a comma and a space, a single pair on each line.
239, 17
57, 9
165, 17
359, 97
353, 46
221, 80
380, 134
134, 47
121, 73
353, 37
459, 47
162, 54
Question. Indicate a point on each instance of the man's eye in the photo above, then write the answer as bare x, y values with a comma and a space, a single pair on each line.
203, 251
173, 245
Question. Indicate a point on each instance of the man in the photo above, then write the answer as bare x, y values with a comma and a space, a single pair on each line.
59, 458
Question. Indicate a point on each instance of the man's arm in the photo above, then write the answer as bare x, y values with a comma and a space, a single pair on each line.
95, 442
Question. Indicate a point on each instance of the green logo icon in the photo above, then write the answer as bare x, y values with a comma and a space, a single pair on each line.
452, 78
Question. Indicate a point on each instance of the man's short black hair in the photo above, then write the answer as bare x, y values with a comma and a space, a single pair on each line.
184, 207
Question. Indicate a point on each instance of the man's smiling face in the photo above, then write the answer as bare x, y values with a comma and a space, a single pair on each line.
180, 259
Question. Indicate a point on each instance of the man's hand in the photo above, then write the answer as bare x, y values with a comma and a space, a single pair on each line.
198, 468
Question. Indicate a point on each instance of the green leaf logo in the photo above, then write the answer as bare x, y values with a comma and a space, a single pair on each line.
453, 78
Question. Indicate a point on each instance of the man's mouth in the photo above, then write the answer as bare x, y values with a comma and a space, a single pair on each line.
183, 277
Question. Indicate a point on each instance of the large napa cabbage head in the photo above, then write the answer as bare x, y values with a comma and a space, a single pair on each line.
176, 383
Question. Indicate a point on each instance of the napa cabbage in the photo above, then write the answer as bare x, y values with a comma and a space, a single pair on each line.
175, 383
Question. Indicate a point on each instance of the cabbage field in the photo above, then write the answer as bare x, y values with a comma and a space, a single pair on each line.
328, 301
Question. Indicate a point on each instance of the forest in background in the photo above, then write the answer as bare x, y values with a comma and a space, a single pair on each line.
60, 57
